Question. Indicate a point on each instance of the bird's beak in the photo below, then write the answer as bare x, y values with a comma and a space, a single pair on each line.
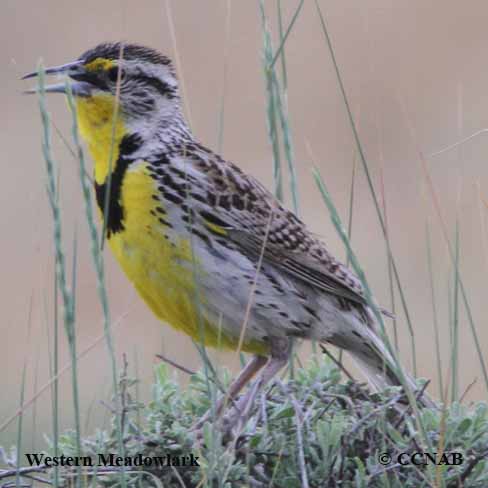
55, 70
74, 70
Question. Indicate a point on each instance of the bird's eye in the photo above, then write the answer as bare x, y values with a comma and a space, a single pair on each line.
113, 74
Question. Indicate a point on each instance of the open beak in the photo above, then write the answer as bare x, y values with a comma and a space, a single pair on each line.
74, 70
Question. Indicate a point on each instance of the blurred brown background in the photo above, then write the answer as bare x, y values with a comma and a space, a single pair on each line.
416, 74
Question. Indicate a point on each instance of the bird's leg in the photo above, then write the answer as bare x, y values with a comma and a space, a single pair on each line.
239, 414
249, 370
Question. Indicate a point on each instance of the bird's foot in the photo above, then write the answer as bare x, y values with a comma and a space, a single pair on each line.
224, 429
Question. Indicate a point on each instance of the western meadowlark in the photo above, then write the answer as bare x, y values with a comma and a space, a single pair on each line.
198, 238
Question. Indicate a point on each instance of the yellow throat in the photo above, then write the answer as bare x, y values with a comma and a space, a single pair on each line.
96, 117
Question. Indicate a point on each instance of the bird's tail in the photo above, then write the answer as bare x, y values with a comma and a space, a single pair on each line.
373, 357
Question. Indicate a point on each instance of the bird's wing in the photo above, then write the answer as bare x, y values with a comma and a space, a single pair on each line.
246, 213
322, 272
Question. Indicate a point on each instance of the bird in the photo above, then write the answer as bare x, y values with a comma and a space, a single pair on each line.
209, 249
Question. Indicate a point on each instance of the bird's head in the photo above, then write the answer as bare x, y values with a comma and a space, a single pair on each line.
139, 80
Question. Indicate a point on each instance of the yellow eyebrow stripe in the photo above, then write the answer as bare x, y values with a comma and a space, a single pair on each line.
100, 64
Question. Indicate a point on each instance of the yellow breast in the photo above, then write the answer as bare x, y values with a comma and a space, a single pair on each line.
161, 269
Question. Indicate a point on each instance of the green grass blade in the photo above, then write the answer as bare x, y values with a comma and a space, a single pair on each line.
284, 75
350, 212
452, 257
282, 109
68, 318
282, 106
137, 386
20, 423
455, 323
271, 102
349, 223
22, 397
334, 215
391, 286
287, 33
53, 373
97, 258
434, 310
277, 99
73, 276
277, 103
371, 188
220, 124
